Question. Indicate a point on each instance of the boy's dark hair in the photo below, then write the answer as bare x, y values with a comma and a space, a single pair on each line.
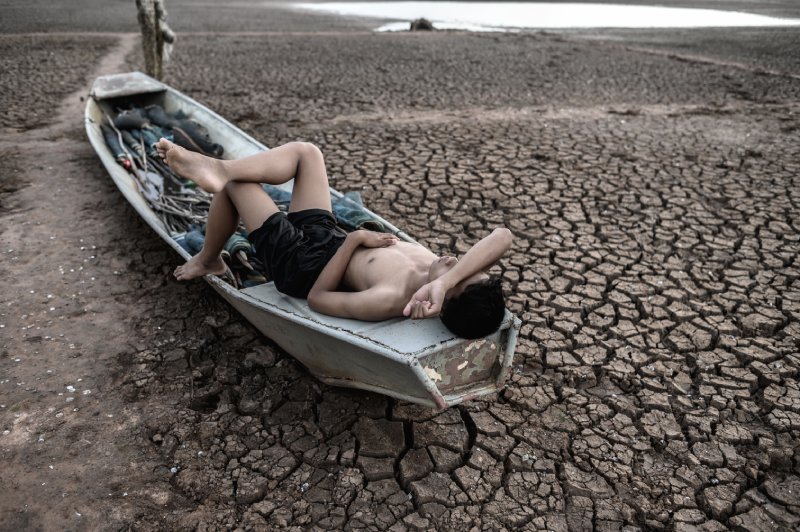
477, 311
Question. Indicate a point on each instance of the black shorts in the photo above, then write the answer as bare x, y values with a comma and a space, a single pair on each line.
295, 248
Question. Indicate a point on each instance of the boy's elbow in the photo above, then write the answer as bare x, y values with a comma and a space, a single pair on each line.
313, 301
505, 236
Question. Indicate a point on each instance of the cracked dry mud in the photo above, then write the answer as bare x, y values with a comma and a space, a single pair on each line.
655, 268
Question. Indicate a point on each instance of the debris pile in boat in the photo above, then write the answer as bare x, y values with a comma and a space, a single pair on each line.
132, 136
181, 205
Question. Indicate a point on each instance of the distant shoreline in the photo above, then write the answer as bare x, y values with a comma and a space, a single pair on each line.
516, 16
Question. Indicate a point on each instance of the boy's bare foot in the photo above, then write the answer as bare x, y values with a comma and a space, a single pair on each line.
208, 173
197, 267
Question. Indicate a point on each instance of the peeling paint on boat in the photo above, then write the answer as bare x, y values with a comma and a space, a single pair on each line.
432, 374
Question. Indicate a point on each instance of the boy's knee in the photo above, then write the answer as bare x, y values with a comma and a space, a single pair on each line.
308, 150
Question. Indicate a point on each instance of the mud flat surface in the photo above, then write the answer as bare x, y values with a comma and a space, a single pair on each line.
654, 200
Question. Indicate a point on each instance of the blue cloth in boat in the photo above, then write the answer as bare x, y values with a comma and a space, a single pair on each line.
192, 241
294, 248
349, 210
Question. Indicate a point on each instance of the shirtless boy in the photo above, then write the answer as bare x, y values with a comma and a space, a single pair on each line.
362, 275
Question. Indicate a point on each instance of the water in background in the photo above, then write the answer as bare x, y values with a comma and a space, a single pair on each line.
507, 16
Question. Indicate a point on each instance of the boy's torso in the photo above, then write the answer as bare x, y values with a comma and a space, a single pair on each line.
401, 269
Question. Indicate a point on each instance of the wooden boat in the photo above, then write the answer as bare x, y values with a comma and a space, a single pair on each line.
418, 361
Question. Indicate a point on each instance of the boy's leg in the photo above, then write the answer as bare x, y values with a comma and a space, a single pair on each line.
297, 160
300, 161
252, 203
222, 221
237, 199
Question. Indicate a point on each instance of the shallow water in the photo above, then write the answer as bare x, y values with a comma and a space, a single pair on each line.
505, 16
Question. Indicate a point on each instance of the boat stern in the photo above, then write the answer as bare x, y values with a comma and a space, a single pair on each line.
465, 370
127, 84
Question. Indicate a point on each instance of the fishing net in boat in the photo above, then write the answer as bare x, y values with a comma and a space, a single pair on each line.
182, 207
132, 135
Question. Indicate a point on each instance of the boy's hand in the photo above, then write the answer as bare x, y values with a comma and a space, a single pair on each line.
371, 239
427, 301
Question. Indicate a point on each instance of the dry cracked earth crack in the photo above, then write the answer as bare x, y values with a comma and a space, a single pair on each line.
655, 268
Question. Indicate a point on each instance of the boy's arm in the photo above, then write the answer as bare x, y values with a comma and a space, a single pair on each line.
428, 300
375, 304
369, 305
480, 257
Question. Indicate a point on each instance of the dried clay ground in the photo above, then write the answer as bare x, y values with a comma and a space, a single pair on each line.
650, 179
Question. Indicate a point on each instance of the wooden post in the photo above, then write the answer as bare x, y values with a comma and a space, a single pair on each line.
157, 37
